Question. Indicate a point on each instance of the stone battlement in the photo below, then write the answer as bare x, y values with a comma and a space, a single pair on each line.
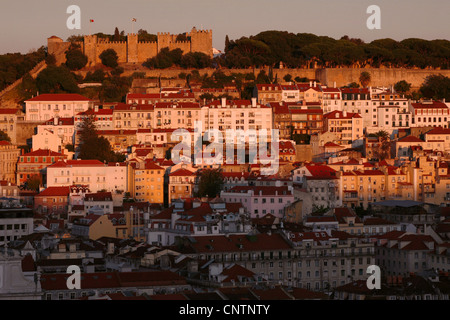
133, 50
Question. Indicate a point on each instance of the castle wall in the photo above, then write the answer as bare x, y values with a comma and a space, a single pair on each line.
119, 46
146, 50
201, 41
380, 77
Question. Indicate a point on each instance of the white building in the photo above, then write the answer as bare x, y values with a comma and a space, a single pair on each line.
47, 139
429, 114
91, 173
48, 106
64, 128
14, 224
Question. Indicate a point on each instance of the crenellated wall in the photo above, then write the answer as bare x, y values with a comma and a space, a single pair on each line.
133, 50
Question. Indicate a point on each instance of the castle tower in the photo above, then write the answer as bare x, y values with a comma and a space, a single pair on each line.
201, 41
132, 48
90, 49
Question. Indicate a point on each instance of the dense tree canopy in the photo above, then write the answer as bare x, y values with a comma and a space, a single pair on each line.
269, 48
210, 184
56, 80
94, 147
15, 65
75, 59
109, 58
436, 87
167, 58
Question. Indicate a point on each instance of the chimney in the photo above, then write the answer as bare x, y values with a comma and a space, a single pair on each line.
334, 84
224, 102
55, 121
254, 102
314, 83
304, 103
310, 83
344, 114
96, 108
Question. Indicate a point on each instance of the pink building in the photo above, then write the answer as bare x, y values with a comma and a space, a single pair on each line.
261, 200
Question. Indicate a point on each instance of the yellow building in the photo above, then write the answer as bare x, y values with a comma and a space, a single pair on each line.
146, 182
115, 225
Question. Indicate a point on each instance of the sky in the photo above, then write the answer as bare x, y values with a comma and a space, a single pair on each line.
26, 24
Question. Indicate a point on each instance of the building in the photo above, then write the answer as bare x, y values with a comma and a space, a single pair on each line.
237, 115
33, 164
9, 154
64, 128
48, 106
347, 126
94, 174
108, 283
52, 201
14, 284
8, 122
181, 184
260, 200
197, 218
146, 181
47, 140
15, 223
429, 113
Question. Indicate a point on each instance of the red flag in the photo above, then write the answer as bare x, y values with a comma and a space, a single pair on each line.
91, 20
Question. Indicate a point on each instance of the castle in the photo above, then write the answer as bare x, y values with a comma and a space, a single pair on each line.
133, 50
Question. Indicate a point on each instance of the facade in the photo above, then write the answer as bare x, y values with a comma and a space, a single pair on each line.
347, 126
8, 122
260, 200
15, 223
94, 174
181, 184
49, 106
9, 154
429, 113
32, 163
52, 201
146, 181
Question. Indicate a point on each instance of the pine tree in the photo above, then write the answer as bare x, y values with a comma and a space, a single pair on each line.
116, 35
227, 43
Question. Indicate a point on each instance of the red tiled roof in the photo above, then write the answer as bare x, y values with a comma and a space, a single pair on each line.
438, 131
434, 104
9, 111
181, 172
340, 115
59, 97
410, 139
259, 242
76, 163
43, 153
114, 280
54, 191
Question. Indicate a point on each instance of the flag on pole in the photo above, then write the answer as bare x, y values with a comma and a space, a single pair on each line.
134, 20
91, 20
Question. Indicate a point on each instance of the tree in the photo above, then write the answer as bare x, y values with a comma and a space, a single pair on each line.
402, 87
383, 151
365, 78
4, 136
50, 60
56, 80
94, 147
75, 59
227, 43
109, 58
436, 87
116, 36
211, 182
287, 78
33, 183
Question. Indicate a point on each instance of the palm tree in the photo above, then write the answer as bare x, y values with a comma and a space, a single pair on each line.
384, 149
365, 78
